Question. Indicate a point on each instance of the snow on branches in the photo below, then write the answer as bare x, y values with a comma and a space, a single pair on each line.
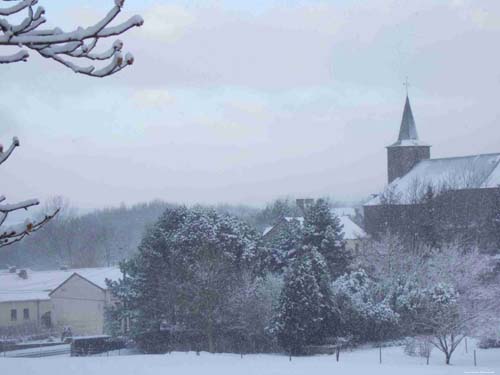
64, 47
16, 233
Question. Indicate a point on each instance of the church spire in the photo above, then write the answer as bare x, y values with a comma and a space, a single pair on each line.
408, 135
408, 129
408, 150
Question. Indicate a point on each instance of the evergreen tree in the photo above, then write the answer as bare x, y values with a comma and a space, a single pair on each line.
324, 231
188, 266
284, 245
305, 304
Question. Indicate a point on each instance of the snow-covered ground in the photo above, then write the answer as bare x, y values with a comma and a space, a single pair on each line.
362, 361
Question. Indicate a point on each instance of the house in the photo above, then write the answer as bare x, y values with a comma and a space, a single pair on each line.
353, 233
31, 301
461, 194
80, 301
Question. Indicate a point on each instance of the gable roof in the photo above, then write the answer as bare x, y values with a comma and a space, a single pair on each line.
457, 173
408, 135
39, 284
94, 276
350, 229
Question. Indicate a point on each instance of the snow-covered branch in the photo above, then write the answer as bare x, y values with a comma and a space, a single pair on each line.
63, 47
16, 233
5, 155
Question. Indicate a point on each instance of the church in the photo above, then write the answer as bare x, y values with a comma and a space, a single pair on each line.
436, 200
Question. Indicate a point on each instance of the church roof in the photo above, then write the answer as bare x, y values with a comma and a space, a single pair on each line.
408, 135
457, 173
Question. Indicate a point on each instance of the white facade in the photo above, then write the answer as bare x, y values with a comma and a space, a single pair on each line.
79, 304
74, 298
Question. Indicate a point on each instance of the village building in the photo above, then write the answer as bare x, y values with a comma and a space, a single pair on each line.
34, 301
436, 197
353, 233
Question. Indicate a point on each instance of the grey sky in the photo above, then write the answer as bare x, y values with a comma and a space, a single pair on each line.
231, 102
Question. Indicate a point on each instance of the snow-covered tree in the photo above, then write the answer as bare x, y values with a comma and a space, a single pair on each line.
284, 244
362, 310
189, 265
442, 319
305, 307
407, 279
20, 27
323, 230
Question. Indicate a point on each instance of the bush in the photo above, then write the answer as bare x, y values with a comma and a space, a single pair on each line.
489, 343
420, 346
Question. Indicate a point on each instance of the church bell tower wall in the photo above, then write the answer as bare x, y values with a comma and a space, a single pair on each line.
401, 159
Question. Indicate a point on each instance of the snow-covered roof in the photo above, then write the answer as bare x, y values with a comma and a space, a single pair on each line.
457, 173
267, 230
351, 230
39, 284
344, 211
300, 219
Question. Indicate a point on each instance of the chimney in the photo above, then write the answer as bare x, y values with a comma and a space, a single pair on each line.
23, 274
63, 268
12, 269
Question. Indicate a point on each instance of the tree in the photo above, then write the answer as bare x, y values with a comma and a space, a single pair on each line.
363, 312
444, 293
323, 230
189, 265
11, 234
64, 47
284, 244
305, 304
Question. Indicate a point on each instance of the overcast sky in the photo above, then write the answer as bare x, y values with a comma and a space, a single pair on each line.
245, 101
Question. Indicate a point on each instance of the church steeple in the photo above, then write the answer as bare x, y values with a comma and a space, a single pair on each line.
408, 150
408, 135
408, 129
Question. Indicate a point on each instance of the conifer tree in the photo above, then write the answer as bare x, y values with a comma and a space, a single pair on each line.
284, 245
324, 231
305, 303
187, 266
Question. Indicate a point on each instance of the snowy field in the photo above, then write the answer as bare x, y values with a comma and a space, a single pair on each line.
361, 361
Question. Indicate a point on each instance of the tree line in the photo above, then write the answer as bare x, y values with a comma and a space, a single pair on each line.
207, 280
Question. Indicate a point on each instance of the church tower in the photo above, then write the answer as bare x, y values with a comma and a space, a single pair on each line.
408, 150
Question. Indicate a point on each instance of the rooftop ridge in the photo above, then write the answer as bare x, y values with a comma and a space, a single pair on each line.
460, 157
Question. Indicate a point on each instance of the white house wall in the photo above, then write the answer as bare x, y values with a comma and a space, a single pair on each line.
80, 305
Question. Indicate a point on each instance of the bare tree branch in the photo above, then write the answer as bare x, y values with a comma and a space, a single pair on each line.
13, 234
10, 236
5, 155
61, 46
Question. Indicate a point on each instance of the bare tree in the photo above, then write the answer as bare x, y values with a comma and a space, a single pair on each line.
64, 47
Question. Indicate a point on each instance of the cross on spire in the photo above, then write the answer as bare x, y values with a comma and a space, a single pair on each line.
407, 85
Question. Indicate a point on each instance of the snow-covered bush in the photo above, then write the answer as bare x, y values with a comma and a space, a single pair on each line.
362, 310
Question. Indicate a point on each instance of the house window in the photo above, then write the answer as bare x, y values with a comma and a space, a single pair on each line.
26, 314
13, 315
